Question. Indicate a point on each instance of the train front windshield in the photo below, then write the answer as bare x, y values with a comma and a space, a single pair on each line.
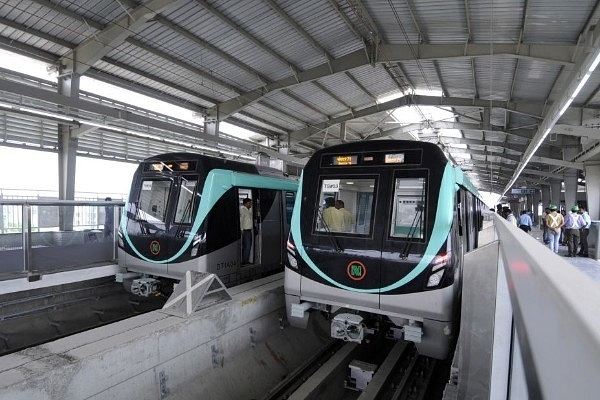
347, 205
155, 195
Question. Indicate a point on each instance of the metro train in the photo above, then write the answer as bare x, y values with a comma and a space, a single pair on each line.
183, 213
387, 258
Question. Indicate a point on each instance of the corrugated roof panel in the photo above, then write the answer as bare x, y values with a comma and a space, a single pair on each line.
534, 80
506, 18
288, 105
322, 22
102, 11
229, 40
494, 77
393, 21
141, 59
320, 99
266, 25
556, 21
441, 21
282, 119
376, 79
197, 56
342, 86
457, 77
422, 75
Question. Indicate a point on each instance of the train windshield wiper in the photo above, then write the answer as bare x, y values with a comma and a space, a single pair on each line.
417, 223
330, 235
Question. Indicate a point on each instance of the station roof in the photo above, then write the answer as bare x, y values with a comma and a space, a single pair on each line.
514, 77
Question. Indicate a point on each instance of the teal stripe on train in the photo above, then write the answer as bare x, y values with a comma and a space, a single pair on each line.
217, 183
441, 229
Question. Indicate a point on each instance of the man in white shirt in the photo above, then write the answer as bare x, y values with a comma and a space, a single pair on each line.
584, 232
573, 223
246, 227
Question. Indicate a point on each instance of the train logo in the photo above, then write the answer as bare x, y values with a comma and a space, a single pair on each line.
154, 247
356, 270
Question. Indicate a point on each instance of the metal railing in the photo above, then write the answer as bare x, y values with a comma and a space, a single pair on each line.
43, 236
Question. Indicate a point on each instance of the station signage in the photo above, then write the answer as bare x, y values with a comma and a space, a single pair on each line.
523, 191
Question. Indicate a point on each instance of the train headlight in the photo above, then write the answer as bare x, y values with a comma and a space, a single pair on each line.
435, 278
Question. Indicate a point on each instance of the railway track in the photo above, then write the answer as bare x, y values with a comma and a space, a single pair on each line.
35, 317
385, 370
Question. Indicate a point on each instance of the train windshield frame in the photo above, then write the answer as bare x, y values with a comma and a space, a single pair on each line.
409, 206
154, 198
186, 200
354, 214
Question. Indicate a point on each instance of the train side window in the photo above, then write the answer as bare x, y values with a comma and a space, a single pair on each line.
185, 201
345, 205
408, 213
152, 204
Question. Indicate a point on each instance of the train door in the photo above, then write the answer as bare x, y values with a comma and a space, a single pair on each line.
270, 229
247, 226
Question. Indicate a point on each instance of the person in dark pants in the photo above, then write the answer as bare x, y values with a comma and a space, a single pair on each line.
246, 227
584, 232
109, 219
524, 221
573, 223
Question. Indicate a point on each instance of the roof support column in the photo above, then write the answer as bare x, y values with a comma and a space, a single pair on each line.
343, 132
570, 176
537, 199
592, 184
555, 189
546, 199
68, 85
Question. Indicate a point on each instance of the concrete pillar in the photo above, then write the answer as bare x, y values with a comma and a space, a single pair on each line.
570, 175
546, 199
555, 190
592, 184
67, 143
537, 199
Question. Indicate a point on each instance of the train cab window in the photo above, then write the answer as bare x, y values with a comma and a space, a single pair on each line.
408, 213
152, 204
185, 201
345, 205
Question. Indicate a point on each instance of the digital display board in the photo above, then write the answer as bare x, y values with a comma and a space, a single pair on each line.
345, 160
408, 157
396, 158
170, 166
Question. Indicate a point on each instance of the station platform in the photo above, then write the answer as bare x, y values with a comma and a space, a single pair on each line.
590, 266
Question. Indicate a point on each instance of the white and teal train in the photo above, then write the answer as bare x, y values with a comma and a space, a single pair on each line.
390, 254
183, 213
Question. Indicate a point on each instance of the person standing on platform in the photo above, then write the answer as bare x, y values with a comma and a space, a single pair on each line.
573, 223
109, 219
510, 217
563, 241
525, 222
584, 232
246, 227
545, 235
554, 221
